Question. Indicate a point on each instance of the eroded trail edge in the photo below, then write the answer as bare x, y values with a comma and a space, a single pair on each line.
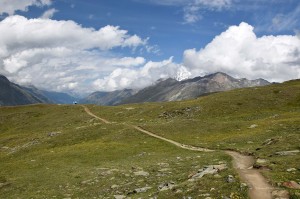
258, 186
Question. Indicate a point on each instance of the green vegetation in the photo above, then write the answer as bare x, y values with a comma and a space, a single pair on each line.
52, 151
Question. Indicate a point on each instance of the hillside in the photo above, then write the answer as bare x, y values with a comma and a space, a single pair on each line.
64, 152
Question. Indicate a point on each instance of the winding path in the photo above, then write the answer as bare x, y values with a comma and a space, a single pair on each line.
258, 185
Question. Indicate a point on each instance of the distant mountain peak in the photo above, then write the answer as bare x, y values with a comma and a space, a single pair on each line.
173, 90
182, 74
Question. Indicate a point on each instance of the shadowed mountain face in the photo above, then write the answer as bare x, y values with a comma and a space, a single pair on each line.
173, 90
12, 94
108, 98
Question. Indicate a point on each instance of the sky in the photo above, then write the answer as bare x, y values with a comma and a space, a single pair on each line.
80, 46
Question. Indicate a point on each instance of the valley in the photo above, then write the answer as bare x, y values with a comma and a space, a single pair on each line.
60, 151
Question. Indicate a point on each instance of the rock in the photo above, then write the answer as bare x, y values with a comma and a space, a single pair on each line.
51, 134
109, 172
291, 169
178, 191
280, 194
163, 164
205, 194
230, 179
270, 141
211, 169
261, 161
142, 190
291, 184
253, 126
164, 170
141, 173
287, 152
166, 186
243, 185
114, 186
220, 167
119, 196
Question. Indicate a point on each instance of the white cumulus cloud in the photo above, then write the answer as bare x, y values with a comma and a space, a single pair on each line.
62, 55
48, 14
10, 6
239, 52
144, 76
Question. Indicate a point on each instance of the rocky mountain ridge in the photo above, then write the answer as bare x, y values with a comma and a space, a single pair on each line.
173, 90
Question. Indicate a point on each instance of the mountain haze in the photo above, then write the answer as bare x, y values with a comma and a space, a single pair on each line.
108, 98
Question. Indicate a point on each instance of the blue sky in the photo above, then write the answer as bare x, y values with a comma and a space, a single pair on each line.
172, 38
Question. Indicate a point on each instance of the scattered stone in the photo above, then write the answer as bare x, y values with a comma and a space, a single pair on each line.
205, 194
166, 186
270, 141
211, 169
220, 167
243, 185
119, 196
230, 179
291, 184
163, 164
142, 190
261, 161
164, 170
114, 186
51, 134
141, 173
253, 126
109, 172
178, 191
287, 152
291, 170
280, 194
249, 142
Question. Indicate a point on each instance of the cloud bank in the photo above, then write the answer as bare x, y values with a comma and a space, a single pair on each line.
239, 52
61, 55
64, 56
10, 6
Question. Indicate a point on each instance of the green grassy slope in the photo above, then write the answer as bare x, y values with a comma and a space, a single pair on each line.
49, 151
224, 120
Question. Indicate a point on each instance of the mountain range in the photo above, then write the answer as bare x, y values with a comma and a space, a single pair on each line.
162, 90
12, 94
174, 90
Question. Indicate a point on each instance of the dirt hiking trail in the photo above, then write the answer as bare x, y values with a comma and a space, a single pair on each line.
258, 185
